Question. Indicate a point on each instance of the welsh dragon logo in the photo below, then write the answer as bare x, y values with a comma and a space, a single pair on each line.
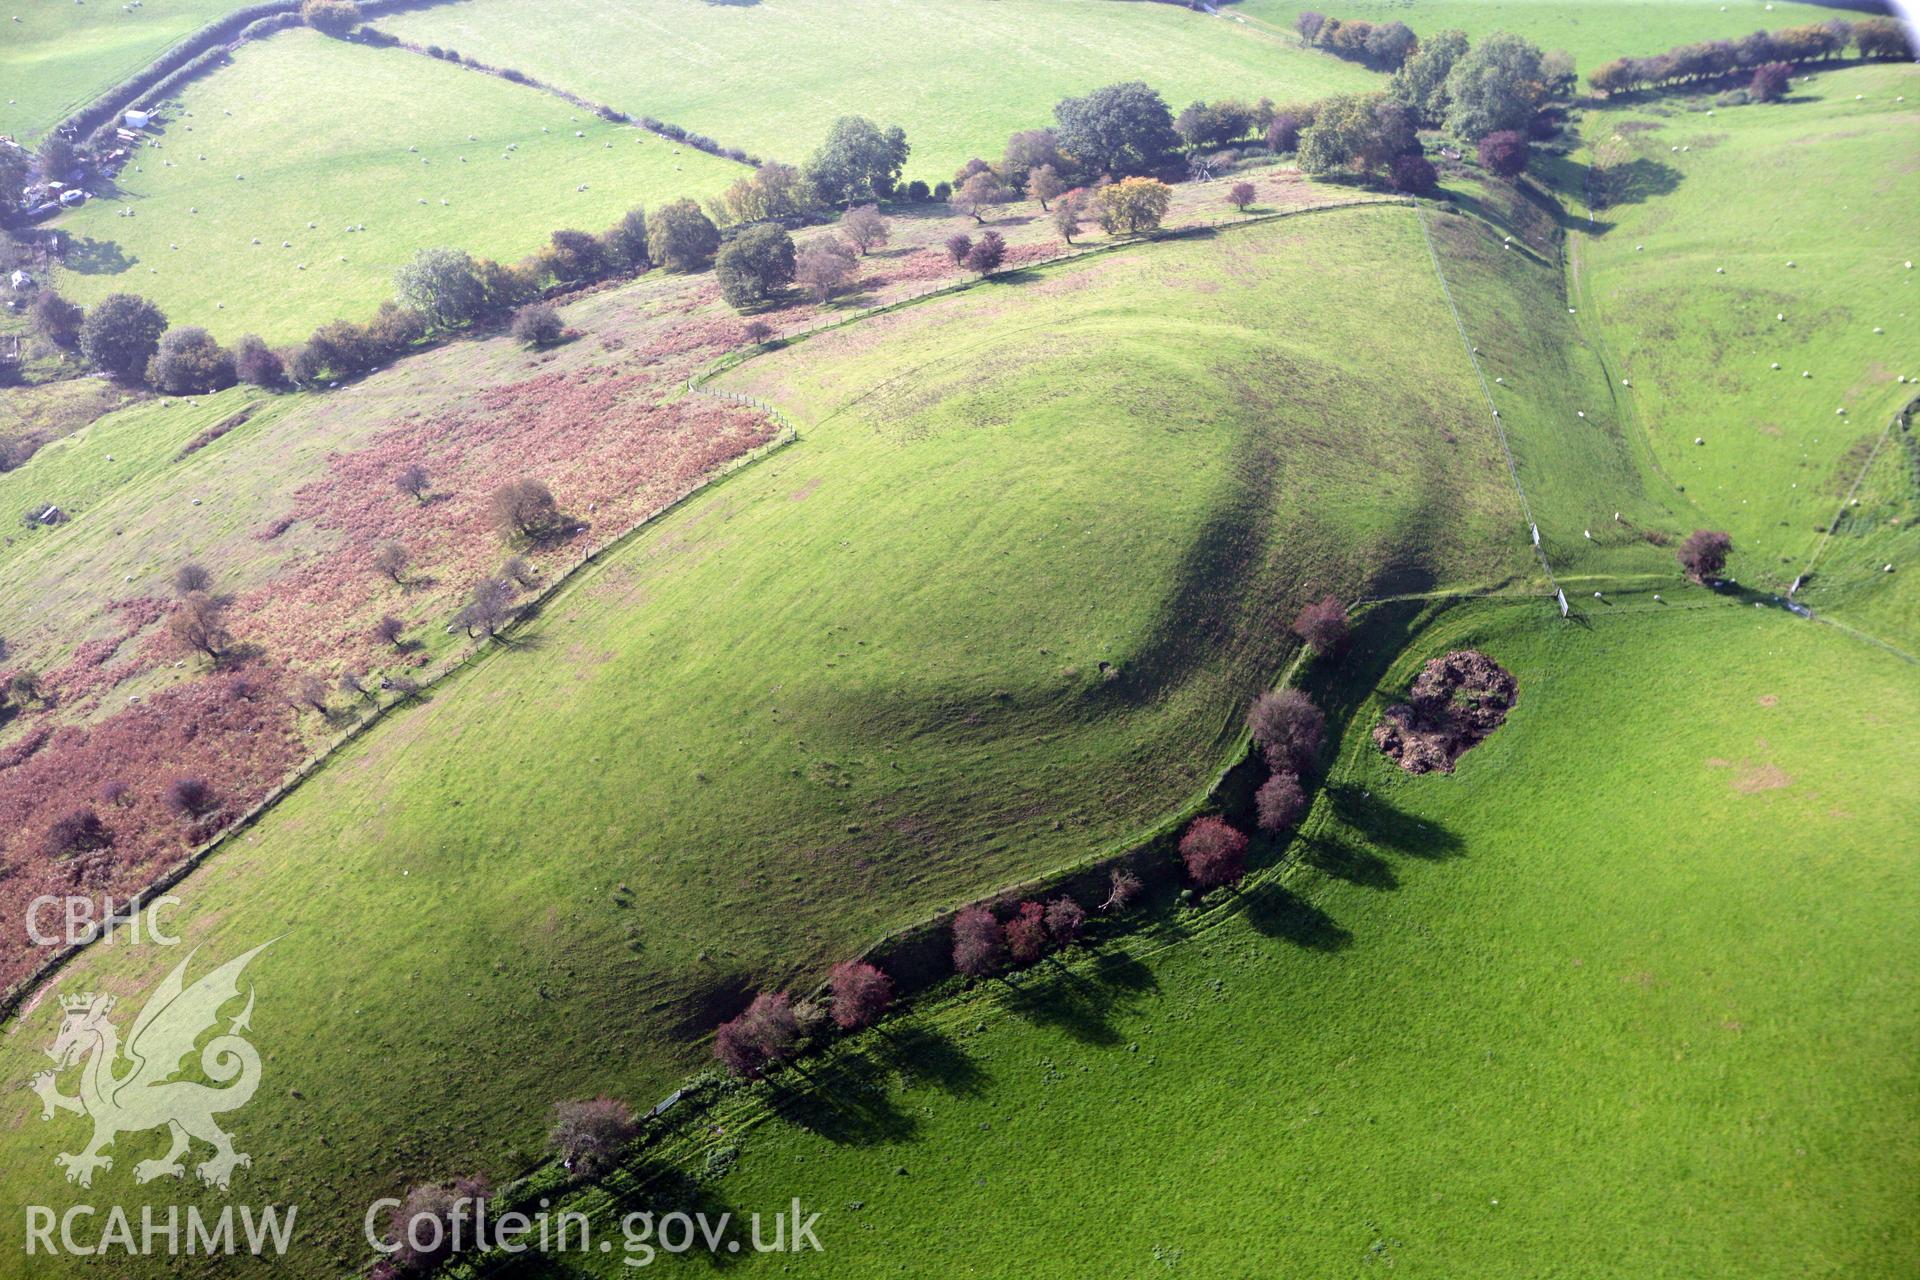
144, 1095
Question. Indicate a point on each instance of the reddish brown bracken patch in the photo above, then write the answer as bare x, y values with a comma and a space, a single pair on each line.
1455, 703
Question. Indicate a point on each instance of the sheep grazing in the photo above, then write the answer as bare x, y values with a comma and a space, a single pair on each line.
1776, 364
1699, 439
1581, 413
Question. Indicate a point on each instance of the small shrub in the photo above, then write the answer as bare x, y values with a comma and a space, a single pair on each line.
538, 325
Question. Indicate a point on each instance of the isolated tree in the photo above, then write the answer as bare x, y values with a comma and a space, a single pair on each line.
120, 334
443, 285
1412, 174
864, 227
1279, 802
822, 267
1704, 554
191, 577
1421, 81
588, 1136
959, 245
758, 331
189, 798
524, 509
77, 831
390, 560
1288, 727
335, 17
412, 480
861, 993
987, 253
1769, 83
1240, 195
538, 325
1504, 152
1066, 216
1044, 184
199, 623
979, 943
680, 237
1122, 888
1132, 205
351, 684
55, 319
1309, 23
257, 364
1121, 129
1497, 84
24, 687
116, 793
390, 630
1214, 853
755, 266
1323, 625
311, 692
1066, 919
858, 161
189, 362
979, 193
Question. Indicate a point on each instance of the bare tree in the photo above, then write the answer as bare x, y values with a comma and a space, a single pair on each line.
390, 630
487, 609
822, 268
520, 570
412, 479
199, 623
391, 559
1043, 184
1122, 888
864, 227
588, 1136
189, 578
312, 692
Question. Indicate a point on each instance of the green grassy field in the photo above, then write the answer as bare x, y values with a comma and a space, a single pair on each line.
1685, 283
770, 77
344, 157
1593, 31
856, 683
1625, 996
57, 57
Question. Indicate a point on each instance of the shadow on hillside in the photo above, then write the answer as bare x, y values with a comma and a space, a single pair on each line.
654, 1187
89, 257
1275, 912
1391, 827
847, 1100
1344, 861
708, 1002
923, 1054
1082, 1006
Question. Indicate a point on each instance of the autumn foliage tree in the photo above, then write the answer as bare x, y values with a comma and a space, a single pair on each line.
1026, 933
1323, 625
1279, 802
588, 1135
1214, 853
1288, 727
199, 623
861, 993
1240, 195
1504, 152
1132, 205
524, 509
864, 227
979, 943
1704, 554
987, 253
1066, 919
765, 1034
79, 831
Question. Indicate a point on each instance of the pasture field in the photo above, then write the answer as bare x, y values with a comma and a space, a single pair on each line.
345, 156
959, 77
869, 669
1802, 210
57, 57
1625, 996
1593, 31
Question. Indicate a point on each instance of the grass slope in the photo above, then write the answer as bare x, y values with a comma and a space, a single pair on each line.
1684, 282
338, 156
1623, 997
850, 685
958, 76
58, 57
1593, 31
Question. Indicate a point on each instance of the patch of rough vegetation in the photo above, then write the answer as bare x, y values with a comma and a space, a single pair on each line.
1455, 703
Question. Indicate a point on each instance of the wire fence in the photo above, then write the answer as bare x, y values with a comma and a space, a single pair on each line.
1473, 356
